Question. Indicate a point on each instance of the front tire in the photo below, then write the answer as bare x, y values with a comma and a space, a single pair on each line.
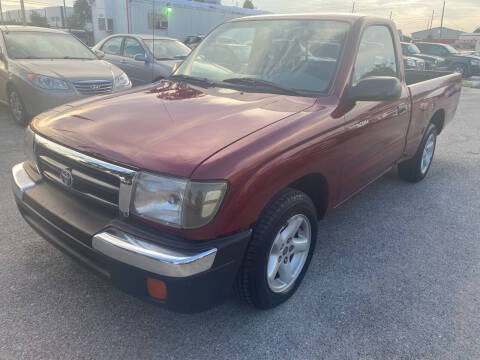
461, 69
415, 169
280, 250
17, 108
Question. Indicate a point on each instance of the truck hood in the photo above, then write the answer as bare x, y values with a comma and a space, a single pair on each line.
70, 69
169, 129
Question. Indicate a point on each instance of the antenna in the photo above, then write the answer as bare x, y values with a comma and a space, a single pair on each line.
154, 20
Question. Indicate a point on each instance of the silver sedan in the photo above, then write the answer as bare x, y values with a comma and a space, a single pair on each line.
144, 58
44, 68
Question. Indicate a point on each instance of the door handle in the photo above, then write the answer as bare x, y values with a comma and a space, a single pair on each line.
402, 108
359, 124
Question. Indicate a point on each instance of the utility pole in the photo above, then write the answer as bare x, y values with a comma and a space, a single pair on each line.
1, 11
431, 22
22, 6
353, 7
441, 22
391, 15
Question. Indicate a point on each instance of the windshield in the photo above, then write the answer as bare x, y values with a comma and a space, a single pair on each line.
42, 45
412, 49
167, 49
451, 49
300, 55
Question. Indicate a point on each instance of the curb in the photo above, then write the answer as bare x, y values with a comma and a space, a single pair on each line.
473, 82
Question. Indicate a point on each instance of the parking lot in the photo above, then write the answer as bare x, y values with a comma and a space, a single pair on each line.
396, 275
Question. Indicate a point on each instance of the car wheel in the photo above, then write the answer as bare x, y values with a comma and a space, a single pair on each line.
280, 250
17, 108
416, 168
461, 69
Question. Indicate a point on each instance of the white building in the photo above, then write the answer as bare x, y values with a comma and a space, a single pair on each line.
174, 18
53, 14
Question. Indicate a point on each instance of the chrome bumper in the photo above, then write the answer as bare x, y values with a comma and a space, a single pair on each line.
133, 250
21, 181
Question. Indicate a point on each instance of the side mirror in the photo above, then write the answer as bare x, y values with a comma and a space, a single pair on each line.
376, 88
100, 54
140, 57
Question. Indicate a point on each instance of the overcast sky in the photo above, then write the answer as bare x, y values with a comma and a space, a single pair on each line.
410, 15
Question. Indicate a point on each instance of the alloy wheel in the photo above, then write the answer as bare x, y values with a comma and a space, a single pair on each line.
288, 253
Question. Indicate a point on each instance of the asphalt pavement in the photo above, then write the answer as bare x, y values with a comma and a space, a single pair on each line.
395, 275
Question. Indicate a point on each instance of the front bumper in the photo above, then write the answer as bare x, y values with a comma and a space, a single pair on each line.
197, 275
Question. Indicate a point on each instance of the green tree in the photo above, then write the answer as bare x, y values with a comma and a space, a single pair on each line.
82, 13
38, 20
248, 4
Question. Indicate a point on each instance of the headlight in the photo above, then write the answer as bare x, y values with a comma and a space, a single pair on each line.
177, 202
122, 81
411, 62
29, 147
48, 83
475, 62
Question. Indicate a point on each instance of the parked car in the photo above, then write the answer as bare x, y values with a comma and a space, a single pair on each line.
193, 41
412, 63
144, 58
464, 64
42, 68
431, 62
218, 175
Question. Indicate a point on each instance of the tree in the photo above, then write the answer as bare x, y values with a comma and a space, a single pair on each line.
82, 13
248, 4
38, 20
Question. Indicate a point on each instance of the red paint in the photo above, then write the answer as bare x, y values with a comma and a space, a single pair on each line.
259, 142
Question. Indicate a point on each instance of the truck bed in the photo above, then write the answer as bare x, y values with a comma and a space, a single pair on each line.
414, 76
433, 93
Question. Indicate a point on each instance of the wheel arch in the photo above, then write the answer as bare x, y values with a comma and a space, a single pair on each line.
315, 185
438, 119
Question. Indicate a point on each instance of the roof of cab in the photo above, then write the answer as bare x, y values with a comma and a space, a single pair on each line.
350, 18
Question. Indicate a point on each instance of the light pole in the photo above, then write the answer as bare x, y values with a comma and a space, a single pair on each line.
24, 19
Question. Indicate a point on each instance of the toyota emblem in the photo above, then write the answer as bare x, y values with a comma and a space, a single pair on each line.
66, 177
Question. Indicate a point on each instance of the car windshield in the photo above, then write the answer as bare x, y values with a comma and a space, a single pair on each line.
43, 45
167, 49
412, 49
268, 55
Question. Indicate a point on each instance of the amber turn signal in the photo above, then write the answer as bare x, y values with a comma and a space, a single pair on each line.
157, 288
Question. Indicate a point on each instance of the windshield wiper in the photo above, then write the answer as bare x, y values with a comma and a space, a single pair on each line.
260, 83
188, 78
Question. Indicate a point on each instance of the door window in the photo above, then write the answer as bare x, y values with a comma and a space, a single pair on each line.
113, 46
376, 54
132, 47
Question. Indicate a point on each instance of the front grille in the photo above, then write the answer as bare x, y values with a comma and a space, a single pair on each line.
94, 87
92, 179
421, 66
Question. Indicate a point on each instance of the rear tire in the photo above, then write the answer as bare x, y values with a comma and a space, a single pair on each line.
280, 250
415, 169
17, 107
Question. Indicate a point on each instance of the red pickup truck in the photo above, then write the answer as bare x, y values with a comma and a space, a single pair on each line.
216, 177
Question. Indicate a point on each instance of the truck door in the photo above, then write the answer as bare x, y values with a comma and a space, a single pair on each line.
376, 130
